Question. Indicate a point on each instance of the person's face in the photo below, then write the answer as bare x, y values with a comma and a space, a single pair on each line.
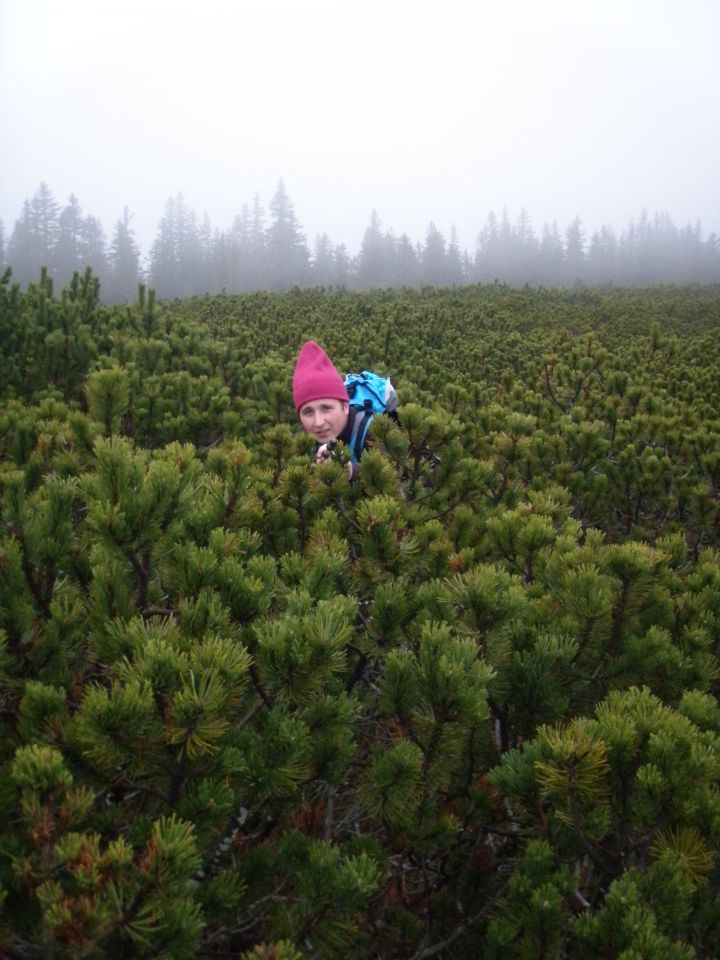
324, 419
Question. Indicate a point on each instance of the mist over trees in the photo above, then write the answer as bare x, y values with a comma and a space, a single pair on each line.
269, 251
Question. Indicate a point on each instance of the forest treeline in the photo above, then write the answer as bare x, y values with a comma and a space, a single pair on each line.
269, 251
465, 706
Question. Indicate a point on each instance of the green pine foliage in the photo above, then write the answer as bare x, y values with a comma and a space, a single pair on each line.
464, 706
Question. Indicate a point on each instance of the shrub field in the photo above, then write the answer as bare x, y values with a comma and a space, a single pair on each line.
466, 706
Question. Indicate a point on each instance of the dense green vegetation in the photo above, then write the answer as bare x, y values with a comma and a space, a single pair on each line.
465, 706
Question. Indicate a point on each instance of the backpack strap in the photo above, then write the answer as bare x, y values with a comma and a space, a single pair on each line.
359, 431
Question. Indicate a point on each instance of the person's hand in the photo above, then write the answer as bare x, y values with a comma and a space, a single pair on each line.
323, 453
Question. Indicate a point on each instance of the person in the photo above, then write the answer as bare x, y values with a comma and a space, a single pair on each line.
323, 406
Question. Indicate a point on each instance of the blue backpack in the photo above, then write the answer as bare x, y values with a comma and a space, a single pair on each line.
369, 394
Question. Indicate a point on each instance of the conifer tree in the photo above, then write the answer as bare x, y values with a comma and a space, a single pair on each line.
406, 263
455, 272
234, 253
66, 253
175, 258
206, 240
287, 253
45, 218
323, 267
602, 256
93, 246
372, 267
574, 252
343, 266
124, 262
433, 263
551, 255
34, 235
487, 253
527, 249
257, 277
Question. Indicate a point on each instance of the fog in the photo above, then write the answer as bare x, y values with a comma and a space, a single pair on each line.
423, 111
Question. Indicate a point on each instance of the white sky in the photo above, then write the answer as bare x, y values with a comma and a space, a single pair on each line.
424, 110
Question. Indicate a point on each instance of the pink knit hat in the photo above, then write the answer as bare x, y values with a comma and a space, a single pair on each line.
315, 377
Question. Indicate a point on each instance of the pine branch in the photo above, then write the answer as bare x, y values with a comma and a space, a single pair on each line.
550, 390
257, 683
501, 719
143, 577
125, 918
358, 671
601, 858
257, 913
255, 709
618, 616
158, 612
132, 787
342, 510
16, 950
222, 844
42, 597
329, 813
585, 637
463, 928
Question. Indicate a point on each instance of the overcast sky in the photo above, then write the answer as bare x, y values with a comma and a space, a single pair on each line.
424, 110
